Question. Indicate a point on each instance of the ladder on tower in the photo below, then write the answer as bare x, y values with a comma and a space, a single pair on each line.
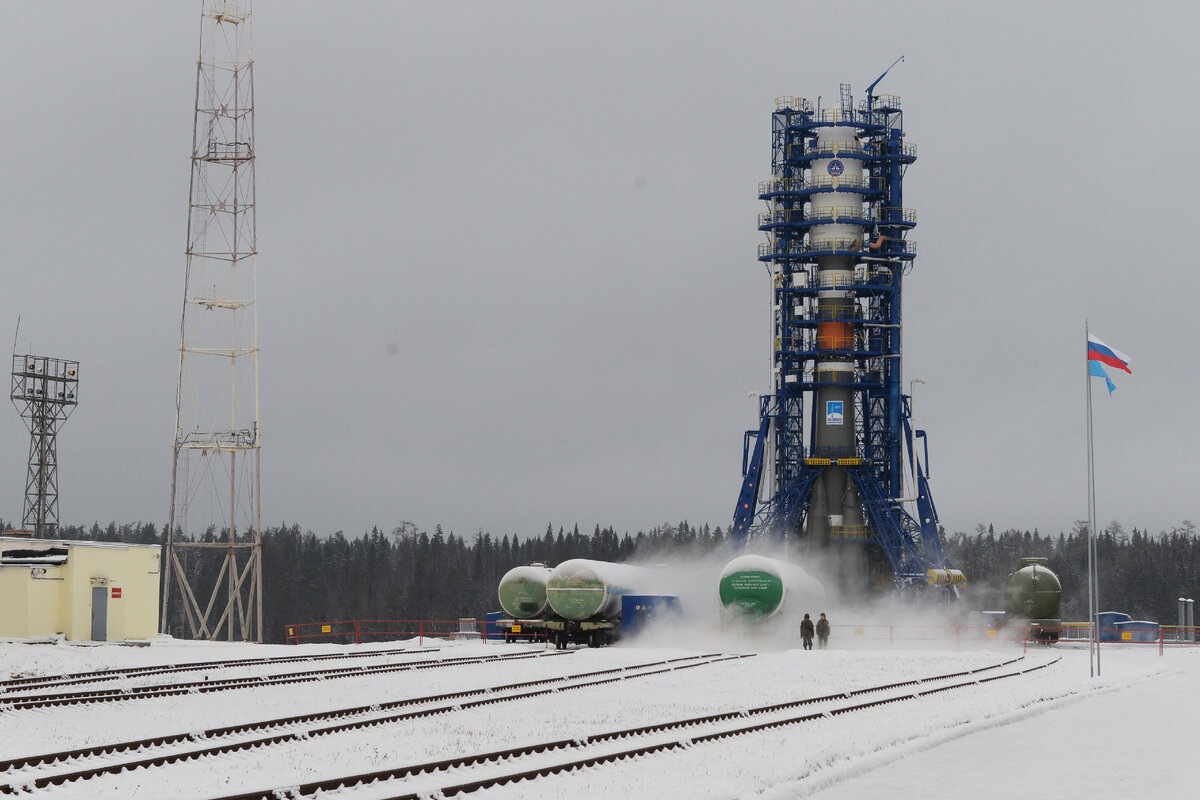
847, 98
747, 502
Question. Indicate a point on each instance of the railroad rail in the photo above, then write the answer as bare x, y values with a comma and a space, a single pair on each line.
99, 676
16, 781
350, 782
16, 702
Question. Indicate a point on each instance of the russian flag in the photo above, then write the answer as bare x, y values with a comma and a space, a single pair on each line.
1099, 351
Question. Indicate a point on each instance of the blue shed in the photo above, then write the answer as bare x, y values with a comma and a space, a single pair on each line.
1137, 631
1107, 621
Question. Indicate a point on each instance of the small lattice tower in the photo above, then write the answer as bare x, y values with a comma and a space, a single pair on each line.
214, 540
45, 391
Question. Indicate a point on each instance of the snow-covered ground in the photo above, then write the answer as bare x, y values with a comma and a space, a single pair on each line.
1055, 729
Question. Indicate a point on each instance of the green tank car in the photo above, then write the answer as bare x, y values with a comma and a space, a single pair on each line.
522, 591
1033, 598
754, 588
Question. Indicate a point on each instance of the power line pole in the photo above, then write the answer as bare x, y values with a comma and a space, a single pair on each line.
215, 470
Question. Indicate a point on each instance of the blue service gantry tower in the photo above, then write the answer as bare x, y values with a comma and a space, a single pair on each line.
827, 462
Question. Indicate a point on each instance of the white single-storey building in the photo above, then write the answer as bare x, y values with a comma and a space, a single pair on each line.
99, 591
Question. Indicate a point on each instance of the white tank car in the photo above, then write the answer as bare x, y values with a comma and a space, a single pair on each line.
522, 591
582, 589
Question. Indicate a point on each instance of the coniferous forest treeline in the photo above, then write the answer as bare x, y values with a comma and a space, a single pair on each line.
407, 573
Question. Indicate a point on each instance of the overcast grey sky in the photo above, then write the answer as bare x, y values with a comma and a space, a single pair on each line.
507, 251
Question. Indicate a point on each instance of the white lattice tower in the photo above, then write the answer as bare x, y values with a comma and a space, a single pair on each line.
215, 469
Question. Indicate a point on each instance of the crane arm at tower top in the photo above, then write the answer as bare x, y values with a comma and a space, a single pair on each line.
871, 88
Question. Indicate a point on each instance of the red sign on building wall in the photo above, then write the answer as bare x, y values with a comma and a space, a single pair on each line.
116, 593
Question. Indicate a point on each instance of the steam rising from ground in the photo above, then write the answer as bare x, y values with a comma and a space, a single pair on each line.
863, 621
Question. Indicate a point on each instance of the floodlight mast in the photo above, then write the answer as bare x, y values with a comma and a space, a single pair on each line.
216, 401
45, 391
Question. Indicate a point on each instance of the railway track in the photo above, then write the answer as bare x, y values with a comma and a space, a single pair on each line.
589, 751
99, 676
13, 702
23, 773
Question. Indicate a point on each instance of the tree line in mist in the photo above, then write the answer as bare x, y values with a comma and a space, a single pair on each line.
407, 573
1141, 574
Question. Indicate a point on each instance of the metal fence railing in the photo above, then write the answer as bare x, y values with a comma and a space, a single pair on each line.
1160, 636
358, 631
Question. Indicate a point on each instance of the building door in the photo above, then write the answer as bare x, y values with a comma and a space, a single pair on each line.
99, 613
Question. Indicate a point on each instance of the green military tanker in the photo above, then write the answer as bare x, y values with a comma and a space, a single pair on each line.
1034, 596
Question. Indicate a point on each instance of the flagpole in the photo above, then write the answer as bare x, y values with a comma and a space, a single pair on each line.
1093, 644
1096, 564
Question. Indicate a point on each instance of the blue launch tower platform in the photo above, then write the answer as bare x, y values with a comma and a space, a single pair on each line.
835, 462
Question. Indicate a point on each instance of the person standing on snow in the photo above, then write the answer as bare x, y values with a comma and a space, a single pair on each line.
822, 632
806, 632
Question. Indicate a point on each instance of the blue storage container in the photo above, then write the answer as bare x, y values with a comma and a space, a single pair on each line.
490, 631
1107, 622
1137, 631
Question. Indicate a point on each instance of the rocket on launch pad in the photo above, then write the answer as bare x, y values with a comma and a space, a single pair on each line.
827, 463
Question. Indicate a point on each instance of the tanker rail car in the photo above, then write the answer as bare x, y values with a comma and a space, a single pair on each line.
586, 595
1033, 597
522, 594
578, 602
754, 589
